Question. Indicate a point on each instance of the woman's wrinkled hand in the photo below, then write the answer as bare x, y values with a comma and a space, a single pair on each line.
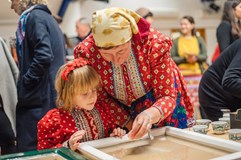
118, 132
74, 140
141, 125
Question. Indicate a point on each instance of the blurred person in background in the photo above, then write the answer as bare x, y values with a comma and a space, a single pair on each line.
83, 30
145, 13
41, 51
190, 54
8, 100
229, 29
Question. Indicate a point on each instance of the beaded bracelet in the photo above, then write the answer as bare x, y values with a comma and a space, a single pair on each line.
161, 112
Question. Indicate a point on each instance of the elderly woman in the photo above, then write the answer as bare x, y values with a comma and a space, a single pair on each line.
41, 51
141, 83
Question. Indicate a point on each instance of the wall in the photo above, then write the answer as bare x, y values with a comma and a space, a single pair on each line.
167, 15
9, 19
72, 14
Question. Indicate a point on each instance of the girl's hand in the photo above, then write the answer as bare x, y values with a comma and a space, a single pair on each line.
73, 141
118, 132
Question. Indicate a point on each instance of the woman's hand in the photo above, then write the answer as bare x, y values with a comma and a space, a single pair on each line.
118, 132
191, 58
141, 125
73, 141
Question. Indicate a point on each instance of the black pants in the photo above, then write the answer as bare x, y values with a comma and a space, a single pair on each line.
7, 138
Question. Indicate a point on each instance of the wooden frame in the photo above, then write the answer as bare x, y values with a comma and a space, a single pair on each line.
231, 149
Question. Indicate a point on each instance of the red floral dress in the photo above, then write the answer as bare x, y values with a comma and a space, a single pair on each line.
149, 78
58, 125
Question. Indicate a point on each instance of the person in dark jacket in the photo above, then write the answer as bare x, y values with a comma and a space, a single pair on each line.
220, 84
8, 99
229, 29
145, 13
41, 51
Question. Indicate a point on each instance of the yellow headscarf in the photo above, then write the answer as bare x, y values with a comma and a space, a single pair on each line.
114, 26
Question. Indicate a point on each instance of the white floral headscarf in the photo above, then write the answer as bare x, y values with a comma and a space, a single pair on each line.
114, 26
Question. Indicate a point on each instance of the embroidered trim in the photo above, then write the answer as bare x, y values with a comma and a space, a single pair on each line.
119, 84
91, 122
129, 70
82, 124
98, 123
135, 77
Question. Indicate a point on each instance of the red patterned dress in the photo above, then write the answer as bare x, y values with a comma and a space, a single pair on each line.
58, 125
149, 78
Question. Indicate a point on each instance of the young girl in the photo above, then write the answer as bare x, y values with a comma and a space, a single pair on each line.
78, 117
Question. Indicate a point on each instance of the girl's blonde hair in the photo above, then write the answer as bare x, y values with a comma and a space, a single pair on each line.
80, 81
24, 4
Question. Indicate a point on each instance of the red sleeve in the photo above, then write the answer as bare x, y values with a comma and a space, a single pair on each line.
49, 131
162, 71
119, 116
216, 53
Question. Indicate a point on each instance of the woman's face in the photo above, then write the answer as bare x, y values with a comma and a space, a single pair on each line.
186, 27
85, 101
237, 11
117, 55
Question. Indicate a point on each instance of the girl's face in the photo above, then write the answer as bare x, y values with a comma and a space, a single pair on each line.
117, 55
186, 27
85, 101
237, 11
